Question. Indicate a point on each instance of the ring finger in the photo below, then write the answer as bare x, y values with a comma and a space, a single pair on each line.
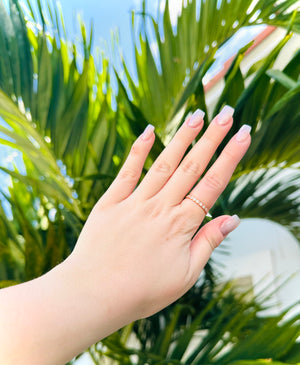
217, 177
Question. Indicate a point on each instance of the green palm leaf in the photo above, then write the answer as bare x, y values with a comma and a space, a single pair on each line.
60, 100
235, 334
25, 138
163, 79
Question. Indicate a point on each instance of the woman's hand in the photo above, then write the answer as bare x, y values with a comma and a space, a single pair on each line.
136, 254
140, 239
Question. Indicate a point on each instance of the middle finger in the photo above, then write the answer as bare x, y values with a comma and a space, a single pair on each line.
168, 160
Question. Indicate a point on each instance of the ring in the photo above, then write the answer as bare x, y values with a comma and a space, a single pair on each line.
198, 202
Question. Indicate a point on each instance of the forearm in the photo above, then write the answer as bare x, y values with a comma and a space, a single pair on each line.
51, 319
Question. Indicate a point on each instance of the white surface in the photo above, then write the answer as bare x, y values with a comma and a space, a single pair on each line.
266, 251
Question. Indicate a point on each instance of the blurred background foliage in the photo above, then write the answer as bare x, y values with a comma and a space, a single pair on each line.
73, 128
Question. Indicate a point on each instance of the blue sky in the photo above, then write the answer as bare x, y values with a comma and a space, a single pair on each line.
111, 15
107, 16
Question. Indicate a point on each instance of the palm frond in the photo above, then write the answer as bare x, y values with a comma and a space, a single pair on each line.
266, 193
23, 136
228, 331
37, 236
273, 111
164, 78
65, 102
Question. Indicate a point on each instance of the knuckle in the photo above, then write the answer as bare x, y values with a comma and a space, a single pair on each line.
229, 156
209, 141
179, 224
178, 220
213, 181
212, 240
153, 208
135, 149
179, 142
128, 174
191, 167
163, 167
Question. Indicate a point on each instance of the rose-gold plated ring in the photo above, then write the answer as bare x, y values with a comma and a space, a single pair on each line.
198, 202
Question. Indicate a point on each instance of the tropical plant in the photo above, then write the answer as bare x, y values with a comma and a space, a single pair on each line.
227, 330
74, 130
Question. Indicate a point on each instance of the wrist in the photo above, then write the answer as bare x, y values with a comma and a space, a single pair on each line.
67, 310
100, 296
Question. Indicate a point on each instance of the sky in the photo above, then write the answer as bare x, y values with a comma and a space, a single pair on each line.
115, 15
110, 16
107, 16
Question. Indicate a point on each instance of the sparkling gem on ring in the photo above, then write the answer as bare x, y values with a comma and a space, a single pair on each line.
198, 202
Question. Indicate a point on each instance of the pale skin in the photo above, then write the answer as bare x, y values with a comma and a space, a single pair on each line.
136, 254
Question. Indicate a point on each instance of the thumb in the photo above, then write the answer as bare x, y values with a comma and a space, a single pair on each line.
208, 238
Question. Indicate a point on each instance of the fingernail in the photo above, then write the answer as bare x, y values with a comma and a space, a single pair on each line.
243, 133
225, 115
229, 225
148, 132
196, 119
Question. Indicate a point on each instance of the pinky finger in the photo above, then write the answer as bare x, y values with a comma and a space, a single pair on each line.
130, 172
208, 238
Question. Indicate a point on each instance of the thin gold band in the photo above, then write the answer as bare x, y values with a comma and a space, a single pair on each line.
198, 202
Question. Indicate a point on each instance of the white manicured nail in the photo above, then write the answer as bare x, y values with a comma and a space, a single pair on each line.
243, 133
229, 225
196, 119
225, 115
148, 132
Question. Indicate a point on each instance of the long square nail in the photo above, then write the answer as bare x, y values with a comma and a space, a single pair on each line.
243, 133
225, 115
147, 132
196, 119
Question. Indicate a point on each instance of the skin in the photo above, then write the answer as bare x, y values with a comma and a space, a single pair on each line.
135, 255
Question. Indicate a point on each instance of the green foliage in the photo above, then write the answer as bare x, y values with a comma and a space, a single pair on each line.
167, 81
59, 110
37, 238
64, 107
228, 330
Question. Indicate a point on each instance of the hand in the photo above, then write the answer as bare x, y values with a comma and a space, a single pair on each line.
136, 254
140, 240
